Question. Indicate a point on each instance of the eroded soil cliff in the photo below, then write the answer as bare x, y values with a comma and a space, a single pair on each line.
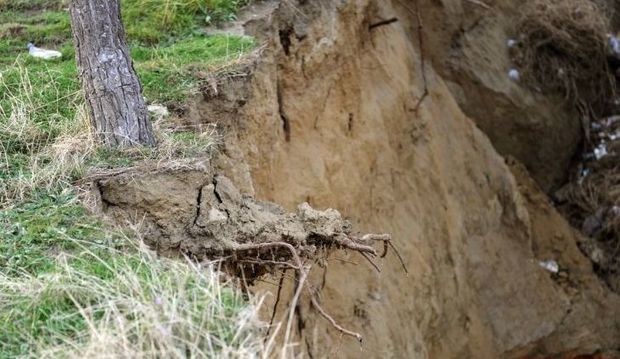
341, 112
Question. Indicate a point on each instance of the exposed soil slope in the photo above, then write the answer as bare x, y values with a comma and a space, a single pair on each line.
342, 114
332, 119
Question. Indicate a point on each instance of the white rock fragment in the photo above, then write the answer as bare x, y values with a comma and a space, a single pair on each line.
216, 215
615, 210
514, 74
595, 126
611, 120
550, 265
511, 43
600, 151
157, 110
585, 172
42, 53
614, 44
597, 255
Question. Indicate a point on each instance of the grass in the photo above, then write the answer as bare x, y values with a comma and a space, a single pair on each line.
46, 143
70, 284
100, 302
170, 73
41, 108
154, 21
32, 230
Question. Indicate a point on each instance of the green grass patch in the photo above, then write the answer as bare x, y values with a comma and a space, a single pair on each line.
172, 73
96, 300
146, 21
40, 101
25, 5
35, 231
69, 284
154, 21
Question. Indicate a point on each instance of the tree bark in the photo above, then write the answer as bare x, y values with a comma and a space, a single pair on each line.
111, 86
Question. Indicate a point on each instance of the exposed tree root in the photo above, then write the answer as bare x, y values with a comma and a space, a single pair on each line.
275, 305
257, 251
251, 238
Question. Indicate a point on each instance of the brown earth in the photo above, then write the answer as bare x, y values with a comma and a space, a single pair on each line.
468, 46
335, 113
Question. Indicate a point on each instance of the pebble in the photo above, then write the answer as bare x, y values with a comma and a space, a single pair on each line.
514, 74
550, 265
600, 151
158, 110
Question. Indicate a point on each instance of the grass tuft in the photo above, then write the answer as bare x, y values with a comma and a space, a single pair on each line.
100, 302
154, 21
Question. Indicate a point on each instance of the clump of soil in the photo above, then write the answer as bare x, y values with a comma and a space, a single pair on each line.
205, 217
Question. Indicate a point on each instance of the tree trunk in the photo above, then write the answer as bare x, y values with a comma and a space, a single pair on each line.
111, 86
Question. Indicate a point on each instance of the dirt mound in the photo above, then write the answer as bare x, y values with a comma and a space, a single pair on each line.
206, 216
248, 238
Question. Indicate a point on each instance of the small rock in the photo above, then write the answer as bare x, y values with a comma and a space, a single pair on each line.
600, 151
375, 296
511, 43
216, 215
593, 224
158, 111
585, 172
514, 74
597, 255
614, 44
550, 265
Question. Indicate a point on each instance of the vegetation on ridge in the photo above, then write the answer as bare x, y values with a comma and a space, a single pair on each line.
71, 284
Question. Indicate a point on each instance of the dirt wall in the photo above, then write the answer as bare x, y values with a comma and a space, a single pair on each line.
338, 116
344, 109
467, 43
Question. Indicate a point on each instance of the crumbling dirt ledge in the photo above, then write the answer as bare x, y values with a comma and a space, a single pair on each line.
205, 217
